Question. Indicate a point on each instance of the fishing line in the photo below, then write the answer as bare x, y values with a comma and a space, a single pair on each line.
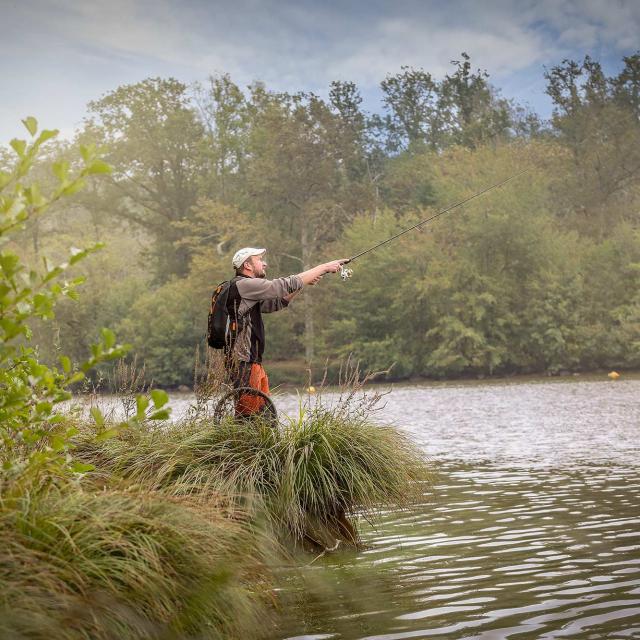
347, 273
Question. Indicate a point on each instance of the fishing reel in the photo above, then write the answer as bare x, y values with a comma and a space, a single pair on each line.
345, 273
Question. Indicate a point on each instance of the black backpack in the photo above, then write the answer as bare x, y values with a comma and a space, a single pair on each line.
222, 326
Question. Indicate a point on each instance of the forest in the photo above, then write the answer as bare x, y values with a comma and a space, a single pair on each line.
539, 276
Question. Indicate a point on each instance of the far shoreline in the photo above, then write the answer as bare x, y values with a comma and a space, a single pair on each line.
516, 378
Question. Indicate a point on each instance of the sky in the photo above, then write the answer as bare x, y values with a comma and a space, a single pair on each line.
57, 55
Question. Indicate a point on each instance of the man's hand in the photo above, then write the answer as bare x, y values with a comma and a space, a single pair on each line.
313, 276
334, 265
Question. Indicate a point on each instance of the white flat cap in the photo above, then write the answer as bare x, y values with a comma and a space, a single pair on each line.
241, 255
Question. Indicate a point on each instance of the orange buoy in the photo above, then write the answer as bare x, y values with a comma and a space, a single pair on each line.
614, 375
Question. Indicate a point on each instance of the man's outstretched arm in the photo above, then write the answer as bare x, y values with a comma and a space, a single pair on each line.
274, 295
312, 276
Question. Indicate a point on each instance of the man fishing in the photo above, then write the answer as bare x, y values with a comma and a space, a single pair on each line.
251, 295
240, 330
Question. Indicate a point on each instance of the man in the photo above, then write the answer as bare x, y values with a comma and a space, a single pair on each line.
251, 295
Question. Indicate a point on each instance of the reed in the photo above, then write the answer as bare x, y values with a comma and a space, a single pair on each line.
175, 533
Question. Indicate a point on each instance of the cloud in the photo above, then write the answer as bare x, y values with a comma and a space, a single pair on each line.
612, 25
91, 47
286, 42
403, 42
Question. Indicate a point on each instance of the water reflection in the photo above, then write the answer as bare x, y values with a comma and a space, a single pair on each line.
504, 554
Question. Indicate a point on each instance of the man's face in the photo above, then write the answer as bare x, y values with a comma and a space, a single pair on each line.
258, 266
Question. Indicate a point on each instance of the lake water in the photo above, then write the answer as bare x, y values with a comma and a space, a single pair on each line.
532, 529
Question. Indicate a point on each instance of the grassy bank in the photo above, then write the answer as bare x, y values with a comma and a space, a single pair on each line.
176, 530
306, 477
125, 564
142, 529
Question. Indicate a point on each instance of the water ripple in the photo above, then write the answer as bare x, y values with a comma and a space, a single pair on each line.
572, 573
532, 529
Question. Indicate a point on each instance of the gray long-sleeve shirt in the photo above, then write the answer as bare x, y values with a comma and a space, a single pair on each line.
258, 295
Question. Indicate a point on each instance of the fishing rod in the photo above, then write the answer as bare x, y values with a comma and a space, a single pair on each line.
345, 273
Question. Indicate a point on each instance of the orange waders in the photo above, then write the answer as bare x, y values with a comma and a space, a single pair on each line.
251, 375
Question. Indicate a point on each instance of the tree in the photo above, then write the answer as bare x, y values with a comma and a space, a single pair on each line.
461, 109
155, 143
626, 85
473, 113
596, 118
225, 114
300, 177
579, 92
412, 98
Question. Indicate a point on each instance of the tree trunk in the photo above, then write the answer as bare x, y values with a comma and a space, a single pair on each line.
308, 301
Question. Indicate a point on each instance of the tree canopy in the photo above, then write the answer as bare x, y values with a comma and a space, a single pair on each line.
539, 276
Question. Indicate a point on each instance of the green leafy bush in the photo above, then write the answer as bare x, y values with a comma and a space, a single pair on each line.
102, 564
33, 433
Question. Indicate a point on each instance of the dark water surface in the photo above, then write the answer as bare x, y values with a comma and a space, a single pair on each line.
532, 529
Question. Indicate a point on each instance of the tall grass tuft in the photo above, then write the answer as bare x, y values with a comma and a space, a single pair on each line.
124, 565
337, 464
311, 474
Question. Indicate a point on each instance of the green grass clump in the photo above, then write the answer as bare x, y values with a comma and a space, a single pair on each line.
309, 474
336, 464
125, 565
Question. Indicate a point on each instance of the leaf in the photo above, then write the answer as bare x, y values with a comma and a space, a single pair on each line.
108, 337
74, 187
60, 170
81, 467
163, 414
18, 146
97, 416
86, 151
142, 402
76, 377
9, 263
66, 364
57, 443
98, 166
34, 196
71, 431
31, 124
159, 397
44, 407
107, 434
47, 134
76, 254
5, 178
